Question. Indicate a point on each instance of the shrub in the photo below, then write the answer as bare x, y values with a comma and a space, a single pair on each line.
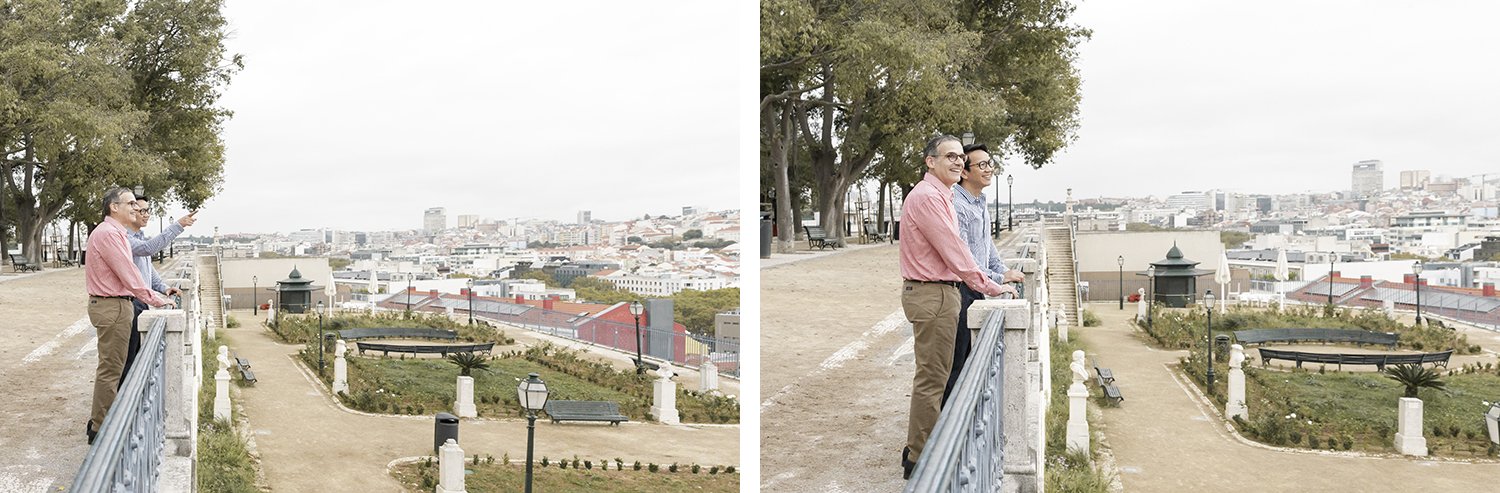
672, 468
695, 469
231, 323
1295, 437
652, 467
1348, 441
713, 470
1312, 441
588, 465
637, 465
1090, 319
544, 461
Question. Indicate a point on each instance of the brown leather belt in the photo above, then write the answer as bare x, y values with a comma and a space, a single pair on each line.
950, 283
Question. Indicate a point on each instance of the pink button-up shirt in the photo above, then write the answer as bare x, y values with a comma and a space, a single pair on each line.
930, 247
110, 271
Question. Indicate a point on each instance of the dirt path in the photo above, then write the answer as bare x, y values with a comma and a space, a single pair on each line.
1164, 437
308, 443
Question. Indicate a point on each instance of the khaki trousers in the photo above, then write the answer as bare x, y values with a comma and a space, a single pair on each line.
111, 318
932, 310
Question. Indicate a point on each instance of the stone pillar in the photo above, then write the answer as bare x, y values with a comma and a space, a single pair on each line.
664, 404
340, 367
270, 313
1409, 439
221, 385
1141, 305
464, 407
1062, 326
709, 373
1236, 404
1389, 308
1078, 395
1019, 403
182, 384
450, 468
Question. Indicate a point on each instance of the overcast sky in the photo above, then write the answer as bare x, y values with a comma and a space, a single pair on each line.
359, 115
1276, 96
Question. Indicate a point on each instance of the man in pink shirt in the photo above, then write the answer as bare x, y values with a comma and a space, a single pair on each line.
113, 281
933, 262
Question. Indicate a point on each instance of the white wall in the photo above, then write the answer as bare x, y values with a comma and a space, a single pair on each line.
1097, 251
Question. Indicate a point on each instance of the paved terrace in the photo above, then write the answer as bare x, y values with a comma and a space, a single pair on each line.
836, 378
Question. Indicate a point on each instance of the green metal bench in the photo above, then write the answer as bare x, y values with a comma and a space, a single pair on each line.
584, 411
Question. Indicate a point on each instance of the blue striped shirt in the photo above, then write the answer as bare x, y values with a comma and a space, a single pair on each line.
974, 230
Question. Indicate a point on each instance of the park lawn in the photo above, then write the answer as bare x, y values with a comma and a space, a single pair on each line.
502, 478
1362, 406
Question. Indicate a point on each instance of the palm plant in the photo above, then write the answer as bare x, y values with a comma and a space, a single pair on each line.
468, 362
1415, 377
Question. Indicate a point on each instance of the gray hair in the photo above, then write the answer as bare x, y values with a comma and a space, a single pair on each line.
932, 145
111, 196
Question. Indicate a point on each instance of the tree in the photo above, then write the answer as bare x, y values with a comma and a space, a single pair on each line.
855, 82
1233, 239
692, 234
601, 291
696, 309
636, 240
540, 275
96, 95
1414, 377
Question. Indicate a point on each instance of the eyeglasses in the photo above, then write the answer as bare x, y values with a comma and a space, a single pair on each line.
953, 157
984, 165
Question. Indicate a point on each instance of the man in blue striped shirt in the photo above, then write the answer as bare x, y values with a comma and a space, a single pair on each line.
974, 229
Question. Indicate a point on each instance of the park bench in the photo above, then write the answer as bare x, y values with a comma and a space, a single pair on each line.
874, 232
1354, 336
244, 366
816, 237
397, 332
1380, 361
443, 349
584, 411
22, 264
1107, 383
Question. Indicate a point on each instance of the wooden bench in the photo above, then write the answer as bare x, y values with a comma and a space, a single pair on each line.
244, 367
874, 232
816, 237
22, 264
1107, 383
1112, 392
401, 332
1355, 336
443, 349
585, 411
1105, 375
1379, 360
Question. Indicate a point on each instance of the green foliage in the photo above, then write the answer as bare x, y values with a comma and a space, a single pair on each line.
1183, 329
95, 95
304, 328
1090, 319
1144, 227
1072, 473
540, 275
1234, 239
692, 234
696, 309
636, 240
603, 291
231, 323
224, 463
1414, 378
339, 263
469, 362
851, 90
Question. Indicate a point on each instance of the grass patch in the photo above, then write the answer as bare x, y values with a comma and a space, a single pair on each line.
1069, 471
428, 385
304, 328
224, 463
499, 477
1357, 411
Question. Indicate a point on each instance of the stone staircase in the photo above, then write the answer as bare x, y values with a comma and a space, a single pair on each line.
1062, 281
212, 295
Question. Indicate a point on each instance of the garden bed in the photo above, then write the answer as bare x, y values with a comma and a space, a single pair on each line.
599, 476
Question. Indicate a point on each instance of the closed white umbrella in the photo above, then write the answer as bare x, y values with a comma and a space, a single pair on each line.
1282, 273
1221, 276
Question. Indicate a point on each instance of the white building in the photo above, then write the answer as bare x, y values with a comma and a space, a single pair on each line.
1368, 178
666, 284
434, 220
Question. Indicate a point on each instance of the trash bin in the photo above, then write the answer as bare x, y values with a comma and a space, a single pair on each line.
765, 235
445, 426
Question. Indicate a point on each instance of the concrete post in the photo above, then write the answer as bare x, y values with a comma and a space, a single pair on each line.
464, 407
1141, 305
1018, 404
1062, 326
1078, 395
1389, 307
709, 373
664, 404
1235, 406
181, 387
340, 367
450, 468
221, 385
270, 313
1409, 439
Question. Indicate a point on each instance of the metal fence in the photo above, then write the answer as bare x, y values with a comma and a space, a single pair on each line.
966, 450
681, 348
131, 442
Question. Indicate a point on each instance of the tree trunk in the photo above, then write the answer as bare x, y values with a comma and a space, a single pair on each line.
785, 231
880, 209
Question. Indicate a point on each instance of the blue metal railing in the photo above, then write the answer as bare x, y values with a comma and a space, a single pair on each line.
965, 451
131, 443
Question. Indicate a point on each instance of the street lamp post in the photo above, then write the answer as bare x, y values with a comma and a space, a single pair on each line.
1010, 206
471, 301
320, 337
533, 396
1416, 270
1121, 261
1151, 294
409, 277
1208, 299
254, 295
636, 309
1331, 258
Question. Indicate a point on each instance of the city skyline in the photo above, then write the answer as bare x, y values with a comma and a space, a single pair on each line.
1185, 95
402, 109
